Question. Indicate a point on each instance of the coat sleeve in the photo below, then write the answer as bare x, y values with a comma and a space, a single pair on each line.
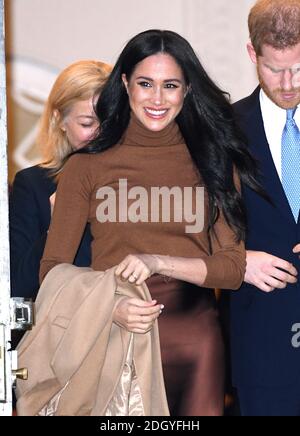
27, 237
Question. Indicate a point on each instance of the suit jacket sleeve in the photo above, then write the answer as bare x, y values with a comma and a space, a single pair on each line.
27, 237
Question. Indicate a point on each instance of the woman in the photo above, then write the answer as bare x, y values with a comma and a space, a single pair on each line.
164, 125
67, 123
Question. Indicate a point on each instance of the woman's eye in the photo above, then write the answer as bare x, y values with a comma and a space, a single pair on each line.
171, 86
144, 84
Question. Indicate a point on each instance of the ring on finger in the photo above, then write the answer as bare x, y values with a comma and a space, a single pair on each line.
134, 276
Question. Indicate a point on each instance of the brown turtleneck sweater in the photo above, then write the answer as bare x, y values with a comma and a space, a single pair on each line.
145, 159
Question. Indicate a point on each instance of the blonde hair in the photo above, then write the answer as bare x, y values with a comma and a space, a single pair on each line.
275, 23
79, 81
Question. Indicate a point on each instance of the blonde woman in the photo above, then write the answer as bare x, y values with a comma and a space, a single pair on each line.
67, 123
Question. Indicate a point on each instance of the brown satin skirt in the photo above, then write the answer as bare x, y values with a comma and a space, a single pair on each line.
191, 346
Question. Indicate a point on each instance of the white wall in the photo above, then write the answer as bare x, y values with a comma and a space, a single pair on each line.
59, 32
47, 35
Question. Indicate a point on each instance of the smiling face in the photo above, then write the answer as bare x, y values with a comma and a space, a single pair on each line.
279, 74
156, 91
80, 123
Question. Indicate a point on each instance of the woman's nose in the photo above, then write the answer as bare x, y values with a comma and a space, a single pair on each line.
157, 96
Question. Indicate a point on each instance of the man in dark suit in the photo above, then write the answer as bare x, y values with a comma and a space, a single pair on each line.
265, 312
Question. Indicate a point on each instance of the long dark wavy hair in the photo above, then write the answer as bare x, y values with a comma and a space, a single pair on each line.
206, 122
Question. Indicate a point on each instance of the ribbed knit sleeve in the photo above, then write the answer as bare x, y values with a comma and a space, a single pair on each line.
70, 214
227, 265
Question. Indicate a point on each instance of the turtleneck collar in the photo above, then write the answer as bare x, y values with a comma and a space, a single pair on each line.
138, 135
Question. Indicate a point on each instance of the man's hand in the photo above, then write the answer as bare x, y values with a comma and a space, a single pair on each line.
268, 272
296, 249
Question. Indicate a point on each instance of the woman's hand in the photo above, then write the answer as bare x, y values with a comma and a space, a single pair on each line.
135, 315
138, 267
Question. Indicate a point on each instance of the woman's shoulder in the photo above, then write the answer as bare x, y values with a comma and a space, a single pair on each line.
80, 168
35, 176
34, 171
77, 164
84, 162
80, 160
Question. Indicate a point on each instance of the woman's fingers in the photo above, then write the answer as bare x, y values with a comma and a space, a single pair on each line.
133, 269
144, 275
120, 268
136, 315
144, 308
151, 310
142, 303
143, 319
142, 325
141, 331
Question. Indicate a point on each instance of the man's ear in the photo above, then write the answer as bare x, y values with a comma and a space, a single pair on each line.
252, 53
125, 81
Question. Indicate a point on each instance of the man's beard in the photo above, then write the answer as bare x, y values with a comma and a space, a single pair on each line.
276, 95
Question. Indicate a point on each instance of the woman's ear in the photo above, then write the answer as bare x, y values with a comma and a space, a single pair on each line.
125, 81
58, 121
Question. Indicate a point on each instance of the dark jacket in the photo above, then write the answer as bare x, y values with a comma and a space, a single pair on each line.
261, 323
30, 215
